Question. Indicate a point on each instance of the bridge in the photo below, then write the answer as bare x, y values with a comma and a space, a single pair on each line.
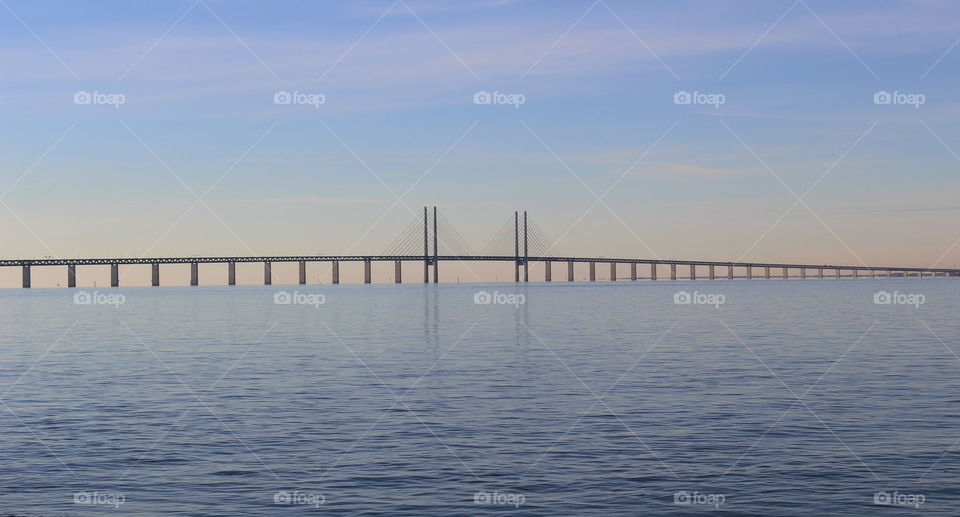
522, 242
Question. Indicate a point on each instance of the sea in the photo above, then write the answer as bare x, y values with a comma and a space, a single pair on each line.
733, 397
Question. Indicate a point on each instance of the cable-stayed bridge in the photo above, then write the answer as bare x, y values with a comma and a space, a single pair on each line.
519, 241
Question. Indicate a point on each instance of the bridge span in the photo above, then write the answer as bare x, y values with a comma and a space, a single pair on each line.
521, 258
710, 269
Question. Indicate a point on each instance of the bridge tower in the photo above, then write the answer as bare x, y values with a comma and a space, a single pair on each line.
436, 254
517, 259
426, 251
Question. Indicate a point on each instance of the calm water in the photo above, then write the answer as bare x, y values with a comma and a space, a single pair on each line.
415, 400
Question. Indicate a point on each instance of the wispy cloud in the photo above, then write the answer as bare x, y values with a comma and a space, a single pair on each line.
316, 200
698, 170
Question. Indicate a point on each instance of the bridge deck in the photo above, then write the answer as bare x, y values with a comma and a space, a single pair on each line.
445, 258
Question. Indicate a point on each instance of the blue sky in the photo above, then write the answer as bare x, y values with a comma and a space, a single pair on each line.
398, 78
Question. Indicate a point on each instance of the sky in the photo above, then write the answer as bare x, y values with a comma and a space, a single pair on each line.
816, 131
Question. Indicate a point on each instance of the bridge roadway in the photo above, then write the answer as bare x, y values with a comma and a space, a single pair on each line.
433, 260
452, 258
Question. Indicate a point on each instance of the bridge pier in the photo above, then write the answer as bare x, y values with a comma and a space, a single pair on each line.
889, 273
303, 272
613, 271
712, 276
194, 274
547, 271
71, 275
693, 272
749, 272
366, 271
820, 272
569, 271
838, 273
856, 273
673, 271
593, 272
26, 276
766, 272
785, 274
335, 273
633, 271
873, 273
803, 273
267, 274
231, 273
397, 272
155, 275
114, 275
729, 272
